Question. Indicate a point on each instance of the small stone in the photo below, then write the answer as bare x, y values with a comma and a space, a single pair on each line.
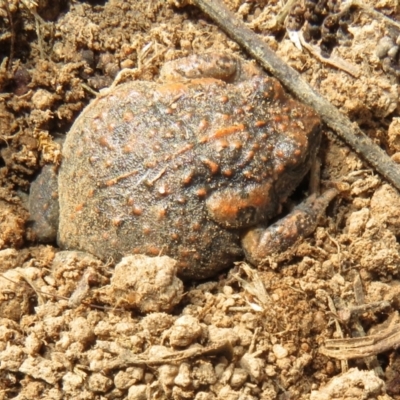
185, 331
16, 293
392, 53
71, 382
32, 344
279, 351
204, 374
40, 368
357, 222
384, 45
99, 383
132, 376
254, 366
81, 331
146, 283
11, 358
42, 99
270, 371
238, 378
137, 392
183, 379
166, 376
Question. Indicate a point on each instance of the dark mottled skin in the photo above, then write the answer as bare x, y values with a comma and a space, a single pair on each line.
183, 168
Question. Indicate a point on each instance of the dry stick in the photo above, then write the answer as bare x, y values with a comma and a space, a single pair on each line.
292, 80
12, 45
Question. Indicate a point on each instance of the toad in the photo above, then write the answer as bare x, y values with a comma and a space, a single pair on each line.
193, 166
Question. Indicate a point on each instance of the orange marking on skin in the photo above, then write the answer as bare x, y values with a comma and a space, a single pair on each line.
174, 236
185, 252
113, 181
128, 148
172, 89
226, 207
128, 116
184, 149
205, 81
213, 166
260, 124
203, 125
247, 174
181, 199
201, 192
236, 144
182, 265
223, 132
187, 179
111, 127
221, 144
196, 226
153, 250
161, 213
227, 172
150, 164
105, 143
180, 151
136, 210
164, 190
117, 222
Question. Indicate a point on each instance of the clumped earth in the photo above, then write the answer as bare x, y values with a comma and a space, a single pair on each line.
74, 327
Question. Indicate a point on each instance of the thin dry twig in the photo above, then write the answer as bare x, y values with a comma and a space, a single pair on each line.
371, 362
12, 44
366, 347
373, 13
361, 347
127, 358
343, 363
292, 80
333, 60
57, 296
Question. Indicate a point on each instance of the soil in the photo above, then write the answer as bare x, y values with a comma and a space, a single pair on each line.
74, 327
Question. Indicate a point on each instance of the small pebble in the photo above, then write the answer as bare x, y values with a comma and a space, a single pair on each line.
279, 351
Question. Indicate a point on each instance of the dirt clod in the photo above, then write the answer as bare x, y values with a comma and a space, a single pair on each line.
148, 284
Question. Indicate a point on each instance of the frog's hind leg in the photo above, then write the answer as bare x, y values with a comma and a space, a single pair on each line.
260, 243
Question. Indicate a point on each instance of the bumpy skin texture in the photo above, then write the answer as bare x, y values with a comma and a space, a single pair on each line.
183, 168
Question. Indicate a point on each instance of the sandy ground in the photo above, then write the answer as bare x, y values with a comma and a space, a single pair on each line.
73, 327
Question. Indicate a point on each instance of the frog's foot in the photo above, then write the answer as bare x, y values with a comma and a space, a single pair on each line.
259, 243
